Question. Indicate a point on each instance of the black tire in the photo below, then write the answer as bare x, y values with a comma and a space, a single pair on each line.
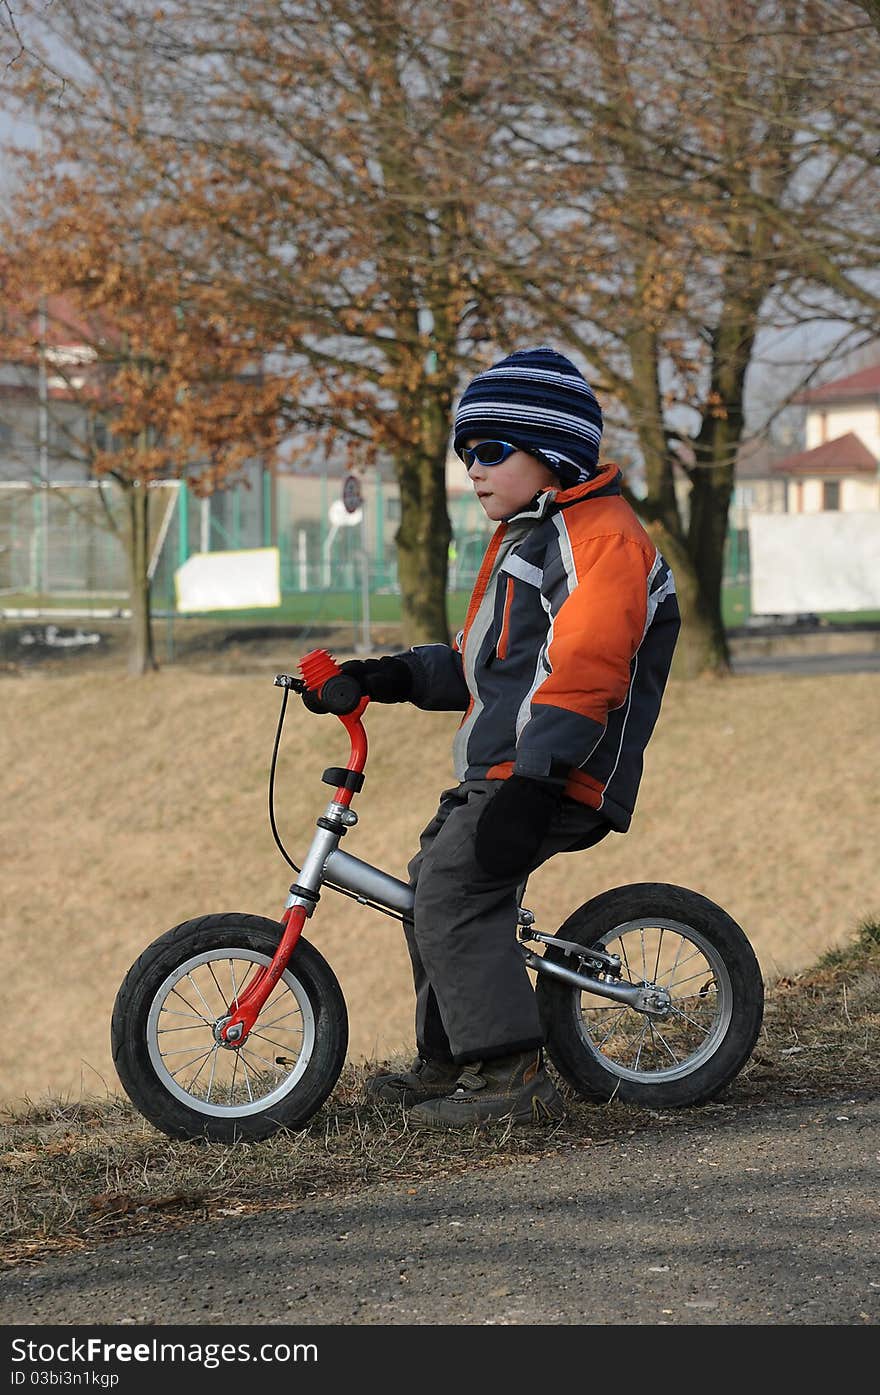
607, 1050
254, 1097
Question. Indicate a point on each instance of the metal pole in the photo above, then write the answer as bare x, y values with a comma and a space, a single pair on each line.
366, 644
43, 446
183, 523
43, 427
380, 529
267, 505
302, 555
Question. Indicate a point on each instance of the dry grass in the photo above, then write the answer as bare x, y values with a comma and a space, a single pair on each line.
129, 805
78, 1172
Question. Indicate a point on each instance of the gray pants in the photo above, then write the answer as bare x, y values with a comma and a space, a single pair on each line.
474, 998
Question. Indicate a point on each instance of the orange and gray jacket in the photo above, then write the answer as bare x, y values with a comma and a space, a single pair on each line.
565, 652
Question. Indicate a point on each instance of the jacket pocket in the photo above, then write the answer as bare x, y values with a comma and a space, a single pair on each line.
504, 634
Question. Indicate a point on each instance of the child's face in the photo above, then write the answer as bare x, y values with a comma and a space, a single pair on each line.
506, 488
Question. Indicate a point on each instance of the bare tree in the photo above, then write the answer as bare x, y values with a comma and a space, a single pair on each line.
722, 160
175, 393
385, 196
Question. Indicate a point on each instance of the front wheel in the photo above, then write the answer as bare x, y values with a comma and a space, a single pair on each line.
165, 1032
670, 939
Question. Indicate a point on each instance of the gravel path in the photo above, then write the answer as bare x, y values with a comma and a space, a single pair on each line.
760, 1214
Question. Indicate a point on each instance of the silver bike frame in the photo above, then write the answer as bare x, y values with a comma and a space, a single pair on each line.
326, 862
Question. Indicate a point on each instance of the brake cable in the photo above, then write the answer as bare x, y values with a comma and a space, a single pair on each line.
343, 891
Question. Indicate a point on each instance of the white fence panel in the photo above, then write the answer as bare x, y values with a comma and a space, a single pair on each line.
814, 562
229, 580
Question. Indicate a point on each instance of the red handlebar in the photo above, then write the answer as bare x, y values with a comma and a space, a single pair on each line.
316, 668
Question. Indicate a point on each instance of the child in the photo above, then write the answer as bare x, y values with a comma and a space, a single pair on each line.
559, 671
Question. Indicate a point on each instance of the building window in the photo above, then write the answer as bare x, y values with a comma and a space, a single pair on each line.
830, 495
5, 434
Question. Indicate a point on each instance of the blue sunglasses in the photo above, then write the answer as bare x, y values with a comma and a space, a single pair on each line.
487, 453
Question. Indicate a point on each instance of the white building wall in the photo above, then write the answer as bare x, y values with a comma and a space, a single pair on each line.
856, 496
859, 495
829, 423
811, 497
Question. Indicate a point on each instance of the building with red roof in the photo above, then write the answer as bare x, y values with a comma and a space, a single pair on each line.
839, 469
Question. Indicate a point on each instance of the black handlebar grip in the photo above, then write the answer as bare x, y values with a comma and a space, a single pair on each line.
341, 694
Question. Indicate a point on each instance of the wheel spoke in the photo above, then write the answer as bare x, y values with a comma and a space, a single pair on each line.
181, 1051
611, 1030
214, 1060
201, 995
171, 1012
690, 969
184, 1065
657, 960
294, 1012
232, 1081
626, 962
195, 1077
238, 989
655, 1032
192, 1010
641, 1044
267, 1059
690, 977
692, 1021
163, 1031
223, 997
282, 1046
247, 1079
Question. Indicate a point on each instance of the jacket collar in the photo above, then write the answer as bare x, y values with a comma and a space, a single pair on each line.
606, 481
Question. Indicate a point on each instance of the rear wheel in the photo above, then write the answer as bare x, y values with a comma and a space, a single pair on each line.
670, 939
165, 1032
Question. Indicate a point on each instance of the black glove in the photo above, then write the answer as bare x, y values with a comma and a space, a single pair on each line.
513, 825
388, 679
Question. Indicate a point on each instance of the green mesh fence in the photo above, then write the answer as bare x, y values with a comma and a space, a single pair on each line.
63, 545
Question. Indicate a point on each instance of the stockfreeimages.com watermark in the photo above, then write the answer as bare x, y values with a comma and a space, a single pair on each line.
32, 1360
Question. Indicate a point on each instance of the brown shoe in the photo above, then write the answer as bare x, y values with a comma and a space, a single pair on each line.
512, 1089
425, 1080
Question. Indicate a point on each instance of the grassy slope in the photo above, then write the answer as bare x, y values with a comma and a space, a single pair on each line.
129, 805
73, 1174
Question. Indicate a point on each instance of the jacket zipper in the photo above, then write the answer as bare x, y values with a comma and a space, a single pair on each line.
501, 646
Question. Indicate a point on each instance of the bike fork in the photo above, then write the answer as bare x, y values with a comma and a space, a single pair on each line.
304, 894
301, 902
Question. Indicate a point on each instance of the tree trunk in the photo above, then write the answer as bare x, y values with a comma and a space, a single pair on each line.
141, 657
711, 490
715, 450
698, 650
425, 531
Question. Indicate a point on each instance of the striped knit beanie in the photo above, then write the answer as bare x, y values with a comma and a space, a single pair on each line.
537, 400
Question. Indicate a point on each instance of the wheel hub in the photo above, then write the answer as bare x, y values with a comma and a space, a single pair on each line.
225, 1042
654, 1001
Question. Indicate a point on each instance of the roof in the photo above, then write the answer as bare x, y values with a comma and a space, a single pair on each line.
845, 455
865, 385
67, 327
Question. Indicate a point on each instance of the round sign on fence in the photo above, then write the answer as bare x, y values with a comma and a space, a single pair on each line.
351, 493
